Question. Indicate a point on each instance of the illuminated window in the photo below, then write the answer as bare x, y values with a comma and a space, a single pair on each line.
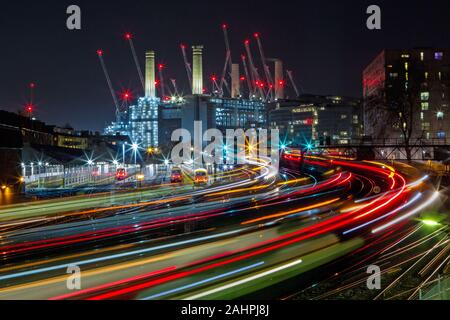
441, 135
440, 115
440, 75
421, 56
406, 66
421, 116
405, 56
425, 106
424, 96
343, 116
426, 75
438, 55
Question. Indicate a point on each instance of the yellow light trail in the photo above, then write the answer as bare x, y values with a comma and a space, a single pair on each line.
282, 214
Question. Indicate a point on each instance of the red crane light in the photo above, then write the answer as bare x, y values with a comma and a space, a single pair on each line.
256, 34
224, 26
32, 85
30, 108
128, 36
242, 78
126, 95
100, 52
281, 82
247, 41
183, 46
213, 78
160, 66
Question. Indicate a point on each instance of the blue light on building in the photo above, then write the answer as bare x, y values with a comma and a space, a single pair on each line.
143, 122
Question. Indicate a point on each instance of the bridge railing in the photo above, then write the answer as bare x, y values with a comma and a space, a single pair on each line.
388, 142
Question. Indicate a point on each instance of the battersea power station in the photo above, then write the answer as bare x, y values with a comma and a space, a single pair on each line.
151, 120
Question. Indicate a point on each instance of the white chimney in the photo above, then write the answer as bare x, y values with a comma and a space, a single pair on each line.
150, 91
197, 70
235, 81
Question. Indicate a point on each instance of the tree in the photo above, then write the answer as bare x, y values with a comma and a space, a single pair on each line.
390, 113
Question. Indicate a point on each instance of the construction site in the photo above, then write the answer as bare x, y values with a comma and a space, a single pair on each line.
237, 96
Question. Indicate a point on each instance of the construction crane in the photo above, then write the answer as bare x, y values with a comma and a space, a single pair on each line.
228, 60
187, 65
247, 77
108, 80
175, 88
224, 71
291, 78
161, 80
253, 71
265, 66
227, 46
129, 37
30, 106
215, 86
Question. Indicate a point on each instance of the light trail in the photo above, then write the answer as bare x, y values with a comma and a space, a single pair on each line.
207, 280
408, 215
248, 279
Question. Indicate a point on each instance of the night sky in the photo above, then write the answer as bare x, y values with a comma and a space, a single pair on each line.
325, 43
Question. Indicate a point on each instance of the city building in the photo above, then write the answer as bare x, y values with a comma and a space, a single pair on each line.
316, 120
423, 75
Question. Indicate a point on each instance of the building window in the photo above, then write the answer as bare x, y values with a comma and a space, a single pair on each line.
421, 56
440, 115
426, 75
421, 116
441, 135
426, 126
405, 56
425, 106
424, 96
438, 55
343, 116
440, 76
406, 66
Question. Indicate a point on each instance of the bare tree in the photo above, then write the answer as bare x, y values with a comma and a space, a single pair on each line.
390, 114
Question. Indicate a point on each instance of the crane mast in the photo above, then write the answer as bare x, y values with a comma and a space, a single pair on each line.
187, 65
265, 66
253, 71
108, 80
247, 77
129, 37
291, 78
161, 81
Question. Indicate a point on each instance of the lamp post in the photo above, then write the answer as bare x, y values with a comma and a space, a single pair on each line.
135, 147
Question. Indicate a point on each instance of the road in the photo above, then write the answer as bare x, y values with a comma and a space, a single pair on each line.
246, 234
